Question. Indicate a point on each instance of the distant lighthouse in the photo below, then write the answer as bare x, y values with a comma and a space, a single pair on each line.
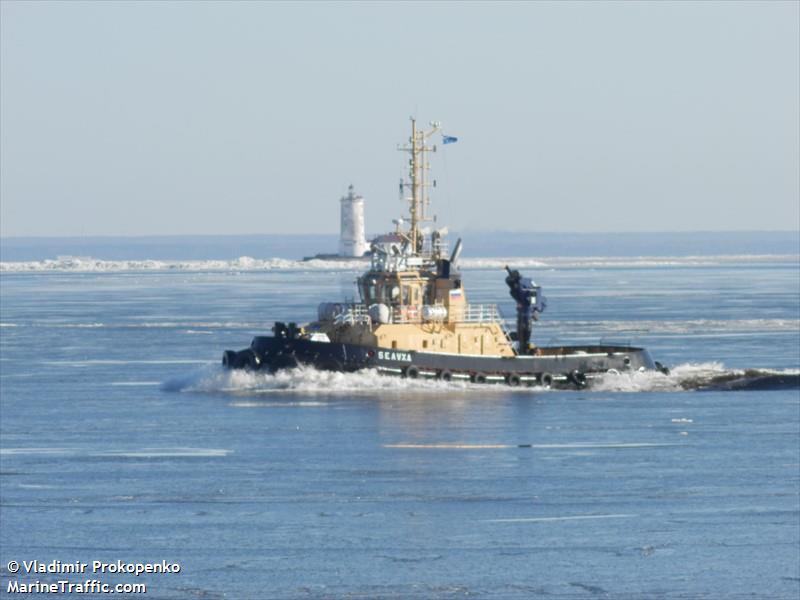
352, 239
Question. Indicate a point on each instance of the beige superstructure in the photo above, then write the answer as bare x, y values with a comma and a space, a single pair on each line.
412, 297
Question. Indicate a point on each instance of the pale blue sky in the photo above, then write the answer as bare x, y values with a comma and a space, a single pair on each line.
184, 118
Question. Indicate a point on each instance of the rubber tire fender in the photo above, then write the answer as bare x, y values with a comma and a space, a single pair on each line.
240, 362
445, 375
478, 378
229, 359
513, 380
546, 380
411, 372
249, 361
578, 378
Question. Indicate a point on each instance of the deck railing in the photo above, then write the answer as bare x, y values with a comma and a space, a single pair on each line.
468, 313
481, 313
352, 314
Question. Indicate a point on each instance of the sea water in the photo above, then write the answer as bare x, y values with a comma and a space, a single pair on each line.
123, 439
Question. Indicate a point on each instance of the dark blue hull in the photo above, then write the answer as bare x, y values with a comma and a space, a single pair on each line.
563, 365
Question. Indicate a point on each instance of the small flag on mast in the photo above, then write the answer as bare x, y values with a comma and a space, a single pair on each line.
449, 139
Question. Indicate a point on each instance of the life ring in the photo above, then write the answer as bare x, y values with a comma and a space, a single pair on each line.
478, 378
445, 375
513, 380
412, 313
546, 380
411, 372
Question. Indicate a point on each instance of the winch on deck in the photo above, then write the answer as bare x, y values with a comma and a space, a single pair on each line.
530, 304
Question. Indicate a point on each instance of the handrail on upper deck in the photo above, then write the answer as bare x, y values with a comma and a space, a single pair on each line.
469, 313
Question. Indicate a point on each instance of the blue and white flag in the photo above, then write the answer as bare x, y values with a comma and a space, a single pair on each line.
449, 139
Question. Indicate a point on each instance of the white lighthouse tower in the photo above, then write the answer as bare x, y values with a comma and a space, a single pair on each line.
352, 239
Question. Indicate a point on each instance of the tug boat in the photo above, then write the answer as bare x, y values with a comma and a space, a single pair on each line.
414, 319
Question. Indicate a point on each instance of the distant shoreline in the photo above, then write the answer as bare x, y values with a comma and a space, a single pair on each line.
513, 232
485, 244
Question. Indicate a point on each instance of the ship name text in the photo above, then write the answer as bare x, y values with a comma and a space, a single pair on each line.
400, 356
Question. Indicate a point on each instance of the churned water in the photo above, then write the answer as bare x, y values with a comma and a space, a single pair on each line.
122, 439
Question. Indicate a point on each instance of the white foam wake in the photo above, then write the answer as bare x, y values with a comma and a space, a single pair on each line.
654, 381
245, 263
695, 376
309, 381
303, 380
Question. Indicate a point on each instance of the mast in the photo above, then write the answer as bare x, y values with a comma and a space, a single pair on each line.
418, 166
414, 187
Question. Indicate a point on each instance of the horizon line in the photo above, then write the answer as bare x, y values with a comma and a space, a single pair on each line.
471, 231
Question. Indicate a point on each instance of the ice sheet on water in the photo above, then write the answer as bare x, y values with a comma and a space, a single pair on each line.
247, 263
693, 327
147, 452
243, 263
